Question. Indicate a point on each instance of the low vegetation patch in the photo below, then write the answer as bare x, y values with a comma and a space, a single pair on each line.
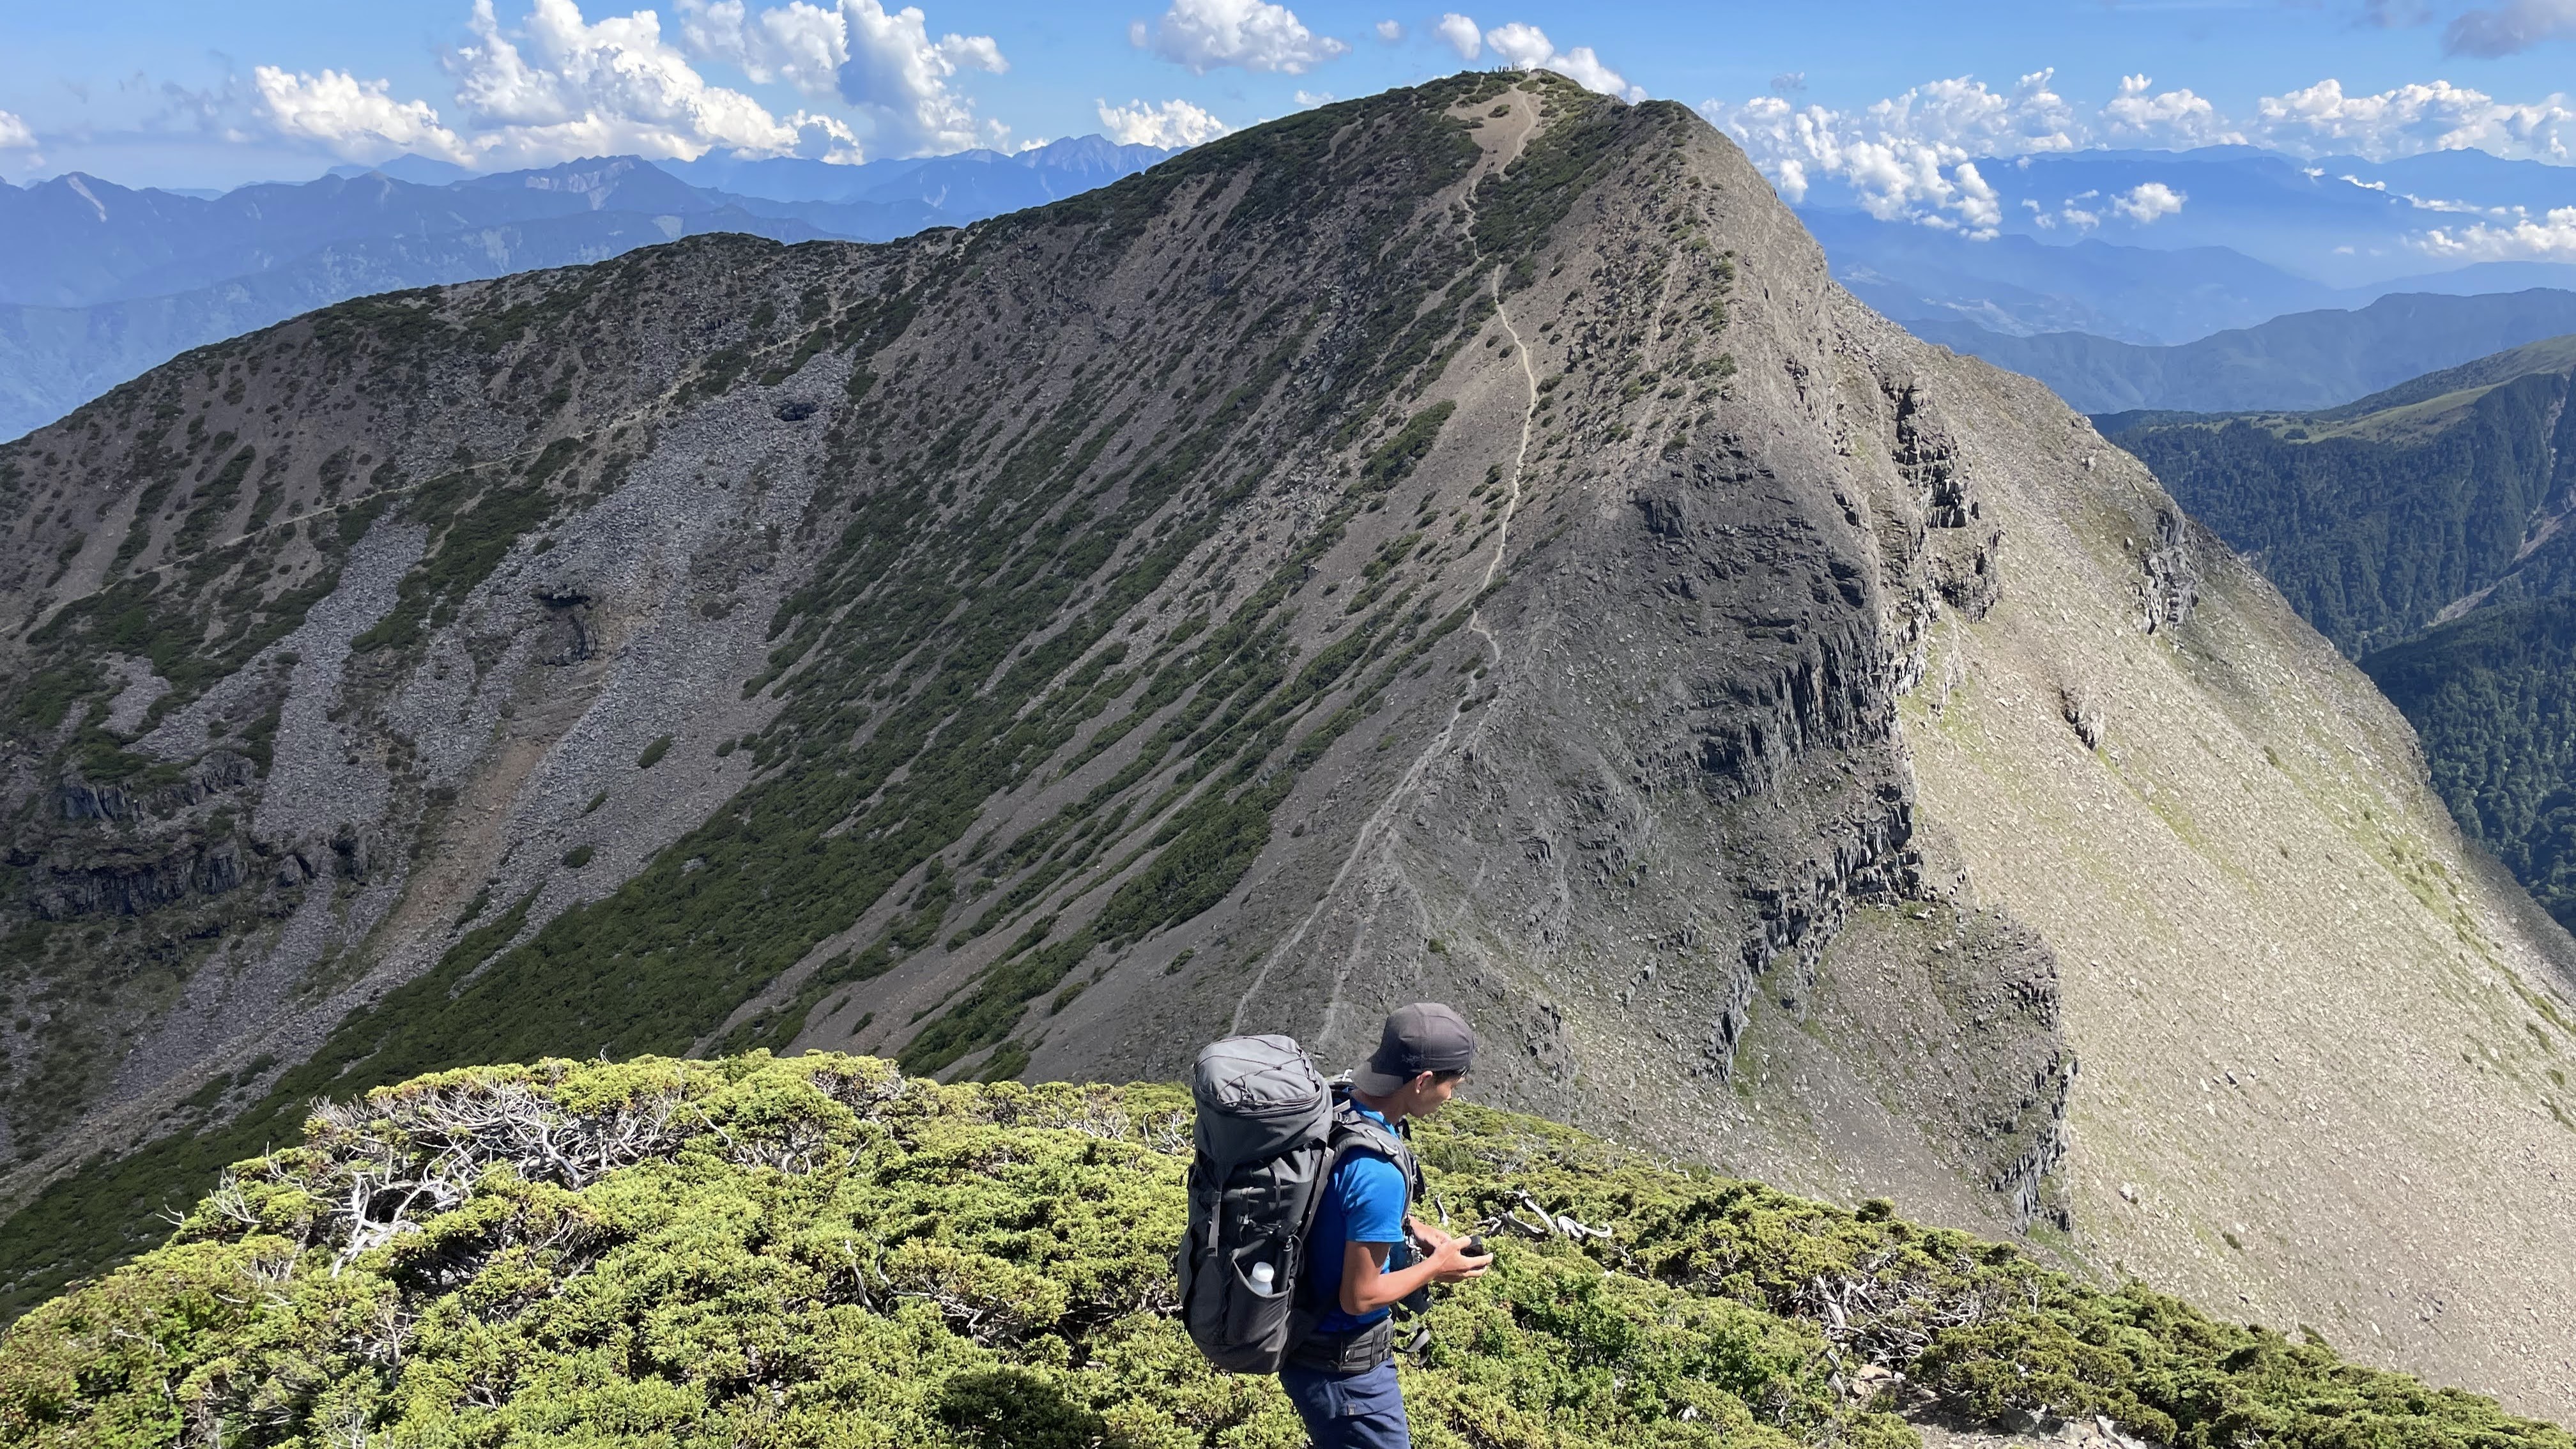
821, 1250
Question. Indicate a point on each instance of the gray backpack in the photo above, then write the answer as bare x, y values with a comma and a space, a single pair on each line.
1269, 1134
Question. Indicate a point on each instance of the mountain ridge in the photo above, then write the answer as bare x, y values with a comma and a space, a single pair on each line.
2387, 514
2468, 379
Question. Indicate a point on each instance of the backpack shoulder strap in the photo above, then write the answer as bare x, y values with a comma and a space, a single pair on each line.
1353, 1128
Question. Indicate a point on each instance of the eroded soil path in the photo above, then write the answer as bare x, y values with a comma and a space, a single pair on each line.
1374, 845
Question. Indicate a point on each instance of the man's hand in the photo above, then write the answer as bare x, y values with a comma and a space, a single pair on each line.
1366, 1285
1450, 1263
1448, 1259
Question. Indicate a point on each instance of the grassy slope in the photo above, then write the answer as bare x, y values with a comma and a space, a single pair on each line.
2310, 1021
2549, 354
820, 1251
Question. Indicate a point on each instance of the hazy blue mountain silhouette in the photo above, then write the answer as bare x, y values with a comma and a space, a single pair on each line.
2303, 360
2020, 284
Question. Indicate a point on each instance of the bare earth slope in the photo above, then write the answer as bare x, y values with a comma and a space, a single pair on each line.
1458, 543
2325, 1043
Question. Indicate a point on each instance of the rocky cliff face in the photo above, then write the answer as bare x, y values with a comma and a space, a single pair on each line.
1458, 543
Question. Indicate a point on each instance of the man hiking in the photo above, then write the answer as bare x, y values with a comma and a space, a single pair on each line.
1342, 1378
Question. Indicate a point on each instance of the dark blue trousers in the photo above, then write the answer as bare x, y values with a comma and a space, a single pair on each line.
1364, 1410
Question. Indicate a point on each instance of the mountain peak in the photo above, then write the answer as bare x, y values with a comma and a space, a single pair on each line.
583, 174
410, 166
1093, 155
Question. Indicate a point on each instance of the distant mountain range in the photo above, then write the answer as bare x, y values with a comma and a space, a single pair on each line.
99, 283
2023, 286
2311, 359
983, 183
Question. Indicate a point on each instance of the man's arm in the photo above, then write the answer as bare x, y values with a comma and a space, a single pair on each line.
1367, 1286
1374, 1218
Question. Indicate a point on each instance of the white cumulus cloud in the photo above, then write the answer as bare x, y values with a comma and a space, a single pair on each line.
1390, 31
1169, 124
561, 85
1901, 156
1909, 157
567, 87
2551, 238
14, 134
2173, 118
1461, 35
797, 44
2144, 203
882, 63
898, 75
2413, 119
1979, 208
1251, 34
352, 117
1522, 46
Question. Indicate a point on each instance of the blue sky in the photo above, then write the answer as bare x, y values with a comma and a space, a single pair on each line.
214, 94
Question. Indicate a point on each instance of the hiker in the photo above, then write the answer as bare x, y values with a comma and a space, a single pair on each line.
1342, 1378
1301, 1202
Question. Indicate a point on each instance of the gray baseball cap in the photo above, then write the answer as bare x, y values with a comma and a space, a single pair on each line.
1423, 1037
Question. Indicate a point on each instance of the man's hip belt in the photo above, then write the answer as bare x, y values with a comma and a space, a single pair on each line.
1346, 1353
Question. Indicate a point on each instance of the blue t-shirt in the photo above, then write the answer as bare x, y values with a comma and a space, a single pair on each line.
1363, 1204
